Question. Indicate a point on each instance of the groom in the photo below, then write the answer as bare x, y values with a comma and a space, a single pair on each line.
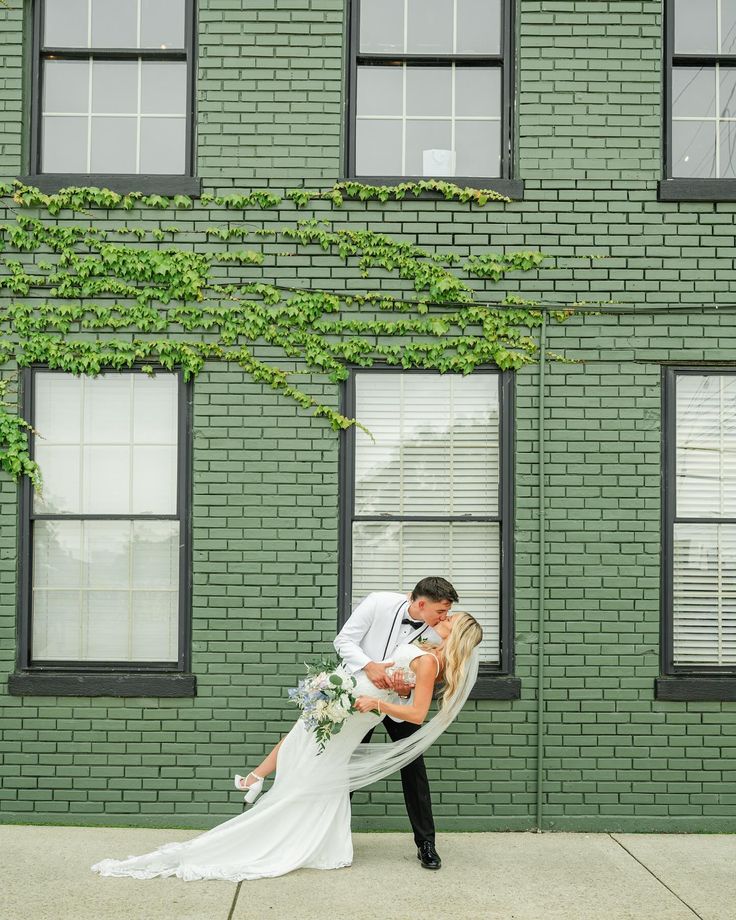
366, 642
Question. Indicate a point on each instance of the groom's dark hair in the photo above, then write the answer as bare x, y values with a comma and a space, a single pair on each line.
435, 589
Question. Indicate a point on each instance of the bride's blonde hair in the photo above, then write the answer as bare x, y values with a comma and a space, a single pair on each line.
466, 634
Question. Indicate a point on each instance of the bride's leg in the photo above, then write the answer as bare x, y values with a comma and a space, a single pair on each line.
266, 766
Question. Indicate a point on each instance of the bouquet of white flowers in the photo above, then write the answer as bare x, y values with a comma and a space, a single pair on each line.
325, 698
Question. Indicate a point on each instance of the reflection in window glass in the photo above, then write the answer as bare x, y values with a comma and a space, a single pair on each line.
105, 590
703, 92
694, 92
703, 108
728, 26
694, 149
696, 26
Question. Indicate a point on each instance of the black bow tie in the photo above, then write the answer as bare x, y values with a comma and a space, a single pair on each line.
415, 624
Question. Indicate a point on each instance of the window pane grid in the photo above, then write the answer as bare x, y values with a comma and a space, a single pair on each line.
133, 115
398, 138
122, 461
439, 155
106, 589
104, 77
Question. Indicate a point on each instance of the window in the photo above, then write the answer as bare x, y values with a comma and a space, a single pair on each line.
105, 545
112, 89
700, 91
430, 89
431, 495
699, 583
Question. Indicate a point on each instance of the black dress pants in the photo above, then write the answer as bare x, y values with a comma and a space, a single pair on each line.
414, 783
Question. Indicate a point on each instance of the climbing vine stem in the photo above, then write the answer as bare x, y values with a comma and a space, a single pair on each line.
80, 296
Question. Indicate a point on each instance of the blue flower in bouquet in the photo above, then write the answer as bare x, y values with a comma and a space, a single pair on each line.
325, 698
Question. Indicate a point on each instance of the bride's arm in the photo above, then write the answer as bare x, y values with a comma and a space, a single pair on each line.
425, 667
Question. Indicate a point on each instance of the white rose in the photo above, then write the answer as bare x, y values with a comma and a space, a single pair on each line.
336, 712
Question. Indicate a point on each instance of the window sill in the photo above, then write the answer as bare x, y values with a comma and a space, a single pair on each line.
512, 188
79, 683
490, 686
149, 185
697, 190
681, 689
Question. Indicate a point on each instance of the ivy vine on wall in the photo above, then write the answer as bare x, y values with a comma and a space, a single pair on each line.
83, 297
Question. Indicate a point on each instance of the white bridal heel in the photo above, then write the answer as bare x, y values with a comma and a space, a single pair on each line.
251, 792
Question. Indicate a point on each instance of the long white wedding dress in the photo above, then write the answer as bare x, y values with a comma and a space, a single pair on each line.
303, 821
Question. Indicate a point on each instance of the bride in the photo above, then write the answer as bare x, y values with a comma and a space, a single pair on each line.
303, 821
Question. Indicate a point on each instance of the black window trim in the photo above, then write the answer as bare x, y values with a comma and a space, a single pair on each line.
685, 189
163, 184
494, 681
506, 184
677, 682
81, 678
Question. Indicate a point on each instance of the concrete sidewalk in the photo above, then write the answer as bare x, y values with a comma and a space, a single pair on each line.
514, 876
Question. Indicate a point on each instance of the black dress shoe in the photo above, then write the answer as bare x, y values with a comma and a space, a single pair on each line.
428, 856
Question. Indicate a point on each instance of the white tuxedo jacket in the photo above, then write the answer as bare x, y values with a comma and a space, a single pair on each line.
372, 632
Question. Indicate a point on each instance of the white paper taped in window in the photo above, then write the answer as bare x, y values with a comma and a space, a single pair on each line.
438, 162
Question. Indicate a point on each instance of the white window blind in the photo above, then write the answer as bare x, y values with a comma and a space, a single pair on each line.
436, 456
704, 553
106, 589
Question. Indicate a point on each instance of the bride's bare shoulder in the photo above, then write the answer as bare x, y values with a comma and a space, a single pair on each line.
424, 664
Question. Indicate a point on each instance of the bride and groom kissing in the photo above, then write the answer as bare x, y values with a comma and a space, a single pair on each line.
303, 821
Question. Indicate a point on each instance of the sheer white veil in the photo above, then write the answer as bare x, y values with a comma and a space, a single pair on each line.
372, 762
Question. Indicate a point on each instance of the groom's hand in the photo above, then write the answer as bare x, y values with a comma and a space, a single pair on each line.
376, 672
400, 686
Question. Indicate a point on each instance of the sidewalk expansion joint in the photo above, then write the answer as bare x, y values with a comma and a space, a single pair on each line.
655, 876
231, 912
235, 901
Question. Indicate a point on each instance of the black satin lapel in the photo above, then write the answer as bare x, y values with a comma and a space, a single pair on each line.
393, 629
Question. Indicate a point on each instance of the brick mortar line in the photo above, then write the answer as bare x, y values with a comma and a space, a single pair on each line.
654, 875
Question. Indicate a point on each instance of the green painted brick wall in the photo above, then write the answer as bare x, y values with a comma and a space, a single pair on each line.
270, 112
